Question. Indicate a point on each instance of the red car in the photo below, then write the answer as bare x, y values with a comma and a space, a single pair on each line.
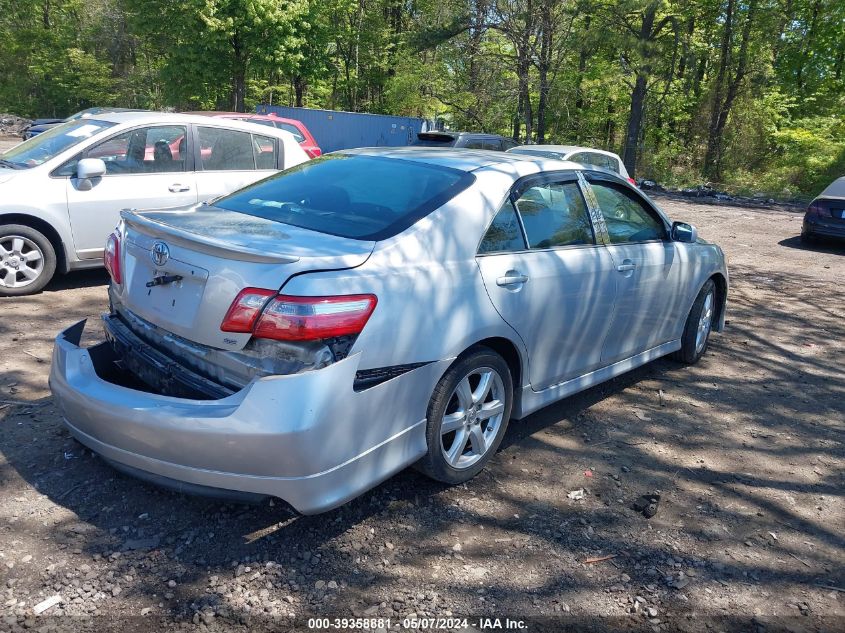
297, 128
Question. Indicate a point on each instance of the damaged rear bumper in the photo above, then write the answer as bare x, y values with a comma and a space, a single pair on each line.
308, 438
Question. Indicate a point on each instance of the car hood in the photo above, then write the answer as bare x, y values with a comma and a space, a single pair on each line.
7, 174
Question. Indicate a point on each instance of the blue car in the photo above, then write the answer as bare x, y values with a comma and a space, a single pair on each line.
42, 125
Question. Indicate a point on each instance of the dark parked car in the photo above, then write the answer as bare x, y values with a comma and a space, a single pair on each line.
42, 125
825, 217
467, 140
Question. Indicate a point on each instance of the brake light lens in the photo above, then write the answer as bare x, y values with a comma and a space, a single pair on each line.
632, 181
112, 257
288, 318
245, 309
818, 209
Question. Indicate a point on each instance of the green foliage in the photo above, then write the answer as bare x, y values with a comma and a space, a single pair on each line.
568, 67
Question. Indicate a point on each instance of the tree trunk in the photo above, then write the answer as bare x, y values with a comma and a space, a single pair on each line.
722, 104
238, 75
545, 62
809, 36
635, 119
300, 85
583, 55
638, 96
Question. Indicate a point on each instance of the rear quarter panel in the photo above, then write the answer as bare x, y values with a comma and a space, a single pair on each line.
432, 303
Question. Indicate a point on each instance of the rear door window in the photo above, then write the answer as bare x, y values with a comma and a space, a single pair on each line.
266, 151
355, 196
225, 150
555, 214
474, 143
504, 234
493, 143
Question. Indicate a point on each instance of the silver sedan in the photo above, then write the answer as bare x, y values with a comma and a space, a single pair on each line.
314, 333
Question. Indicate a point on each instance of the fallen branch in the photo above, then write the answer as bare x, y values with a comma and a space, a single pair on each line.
803, 562
832, 588
599, 559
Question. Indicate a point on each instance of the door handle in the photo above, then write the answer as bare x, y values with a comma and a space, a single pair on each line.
623, 268
512, 278
177, 188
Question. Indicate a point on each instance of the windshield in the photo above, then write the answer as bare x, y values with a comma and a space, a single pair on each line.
39, 149
354, 196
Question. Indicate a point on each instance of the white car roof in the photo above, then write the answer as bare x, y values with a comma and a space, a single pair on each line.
565, 149
469, 159
143, 118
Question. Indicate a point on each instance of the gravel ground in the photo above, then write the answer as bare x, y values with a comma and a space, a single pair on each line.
745, 449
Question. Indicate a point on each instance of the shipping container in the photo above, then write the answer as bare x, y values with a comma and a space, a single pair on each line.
333, 129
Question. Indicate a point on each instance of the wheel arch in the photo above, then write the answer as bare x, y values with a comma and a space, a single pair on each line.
721, 300
47, 229
512, 356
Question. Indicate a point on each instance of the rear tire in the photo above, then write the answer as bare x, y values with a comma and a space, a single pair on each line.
699, 324
467, 416
27, 260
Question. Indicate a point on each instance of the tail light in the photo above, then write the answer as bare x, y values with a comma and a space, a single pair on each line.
286, 318
314, 152
816, 208
632, 181
112, 257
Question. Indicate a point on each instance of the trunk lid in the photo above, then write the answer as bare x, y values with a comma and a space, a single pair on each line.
217, 253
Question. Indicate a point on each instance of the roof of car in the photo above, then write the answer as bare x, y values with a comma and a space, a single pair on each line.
140, 118
455, 134
465, 159
562, 149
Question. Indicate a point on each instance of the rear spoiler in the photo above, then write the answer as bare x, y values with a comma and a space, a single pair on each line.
204, 243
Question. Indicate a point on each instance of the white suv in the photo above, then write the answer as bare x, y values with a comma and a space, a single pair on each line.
61, 192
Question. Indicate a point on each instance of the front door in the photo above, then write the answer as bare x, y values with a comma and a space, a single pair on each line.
651, 288
548, 279
146, 168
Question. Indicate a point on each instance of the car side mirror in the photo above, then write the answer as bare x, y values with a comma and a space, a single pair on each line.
86, 170
683, 232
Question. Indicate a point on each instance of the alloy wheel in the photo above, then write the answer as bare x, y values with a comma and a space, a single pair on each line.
472, 418
21, 261
705, 322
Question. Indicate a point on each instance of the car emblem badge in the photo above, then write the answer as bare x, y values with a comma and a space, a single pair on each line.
160, 253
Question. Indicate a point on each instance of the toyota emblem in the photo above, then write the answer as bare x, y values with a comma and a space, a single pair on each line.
160, 253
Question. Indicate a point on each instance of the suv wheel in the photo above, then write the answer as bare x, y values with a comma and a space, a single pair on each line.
27, 260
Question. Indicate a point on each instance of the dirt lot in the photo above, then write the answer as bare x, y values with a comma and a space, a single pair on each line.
746, 449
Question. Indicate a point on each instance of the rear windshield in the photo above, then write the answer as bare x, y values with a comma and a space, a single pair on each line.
536, 152
359, 197
434, 140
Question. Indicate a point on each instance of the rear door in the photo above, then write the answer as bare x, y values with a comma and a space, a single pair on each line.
228, 160
146, 167
650, 271
548, 278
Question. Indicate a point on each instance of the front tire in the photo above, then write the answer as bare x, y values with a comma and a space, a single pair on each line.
467, 416
698, 326
27, 260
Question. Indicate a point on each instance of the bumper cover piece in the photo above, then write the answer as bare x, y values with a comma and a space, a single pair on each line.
307, 438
